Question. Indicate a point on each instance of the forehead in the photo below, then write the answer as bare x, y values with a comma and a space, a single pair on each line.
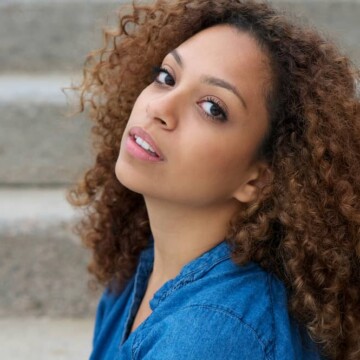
225, 44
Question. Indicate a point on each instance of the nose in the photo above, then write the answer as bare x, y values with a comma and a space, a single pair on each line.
164, 109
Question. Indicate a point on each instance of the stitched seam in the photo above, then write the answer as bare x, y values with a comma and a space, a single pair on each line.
225, 311
232, 314
207, 265
272, 309
136, 346
187, 279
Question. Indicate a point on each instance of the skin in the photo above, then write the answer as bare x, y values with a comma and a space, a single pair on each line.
209, 170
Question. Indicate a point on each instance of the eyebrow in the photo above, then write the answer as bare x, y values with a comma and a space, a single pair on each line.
177, 57
211, 80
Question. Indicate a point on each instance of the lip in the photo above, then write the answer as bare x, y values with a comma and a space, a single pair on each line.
137, 150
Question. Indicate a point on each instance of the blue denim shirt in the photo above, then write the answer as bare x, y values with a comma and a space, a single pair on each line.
214, 309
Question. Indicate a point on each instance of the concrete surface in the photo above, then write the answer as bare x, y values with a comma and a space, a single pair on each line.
45, 339
36, 206
39, 143
48, 36
42, 264
35, 89
44, 36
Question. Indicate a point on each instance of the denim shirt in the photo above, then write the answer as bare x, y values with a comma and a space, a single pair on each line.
213, 309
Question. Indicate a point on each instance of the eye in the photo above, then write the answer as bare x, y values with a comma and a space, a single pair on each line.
213, 109
163, 76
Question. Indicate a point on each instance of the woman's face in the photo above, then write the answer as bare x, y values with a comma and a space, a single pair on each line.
205, 116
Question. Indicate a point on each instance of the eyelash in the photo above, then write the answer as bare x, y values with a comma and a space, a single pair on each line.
157, 70
217, 103
224, 116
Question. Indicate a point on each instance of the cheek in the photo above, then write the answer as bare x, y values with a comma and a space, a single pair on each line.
136, 110
139, 106
219, 163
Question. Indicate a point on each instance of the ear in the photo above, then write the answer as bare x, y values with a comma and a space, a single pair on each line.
259, 175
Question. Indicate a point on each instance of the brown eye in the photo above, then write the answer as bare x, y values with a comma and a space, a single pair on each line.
213, 109
162, 76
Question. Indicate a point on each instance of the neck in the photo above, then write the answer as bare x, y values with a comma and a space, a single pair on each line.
183, 233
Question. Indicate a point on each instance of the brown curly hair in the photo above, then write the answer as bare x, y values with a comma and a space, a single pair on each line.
304, 226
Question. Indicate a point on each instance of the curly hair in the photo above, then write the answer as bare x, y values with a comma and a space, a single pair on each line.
304, 226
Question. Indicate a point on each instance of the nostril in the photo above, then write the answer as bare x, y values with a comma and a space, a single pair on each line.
162, 122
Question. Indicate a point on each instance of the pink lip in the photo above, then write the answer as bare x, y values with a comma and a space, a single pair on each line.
137, 151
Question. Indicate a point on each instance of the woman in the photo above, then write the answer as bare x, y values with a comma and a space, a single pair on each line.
227, 225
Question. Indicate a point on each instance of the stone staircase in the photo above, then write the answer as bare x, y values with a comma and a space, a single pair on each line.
43, 45
46, 308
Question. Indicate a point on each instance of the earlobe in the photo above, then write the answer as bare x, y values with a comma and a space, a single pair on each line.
259, 177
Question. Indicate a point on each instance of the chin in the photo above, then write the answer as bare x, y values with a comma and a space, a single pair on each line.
124, 175
128, 177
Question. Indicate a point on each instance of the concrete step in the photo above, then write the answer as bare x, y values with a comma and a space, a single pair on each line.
45, 339
44, 35
39, 144
43, 265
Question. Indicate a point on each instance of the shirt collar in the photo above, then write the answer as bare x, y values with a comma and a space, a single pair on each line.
192, 271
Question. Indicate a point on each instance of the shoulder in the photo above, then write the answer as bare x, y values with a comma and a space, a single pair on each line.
111, 303
108, 300
255, 296
232, 311
201, 331
225, 314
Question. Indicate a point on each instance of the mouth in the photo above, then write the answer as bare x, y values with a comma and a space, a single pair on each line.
147, 147
144, 142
